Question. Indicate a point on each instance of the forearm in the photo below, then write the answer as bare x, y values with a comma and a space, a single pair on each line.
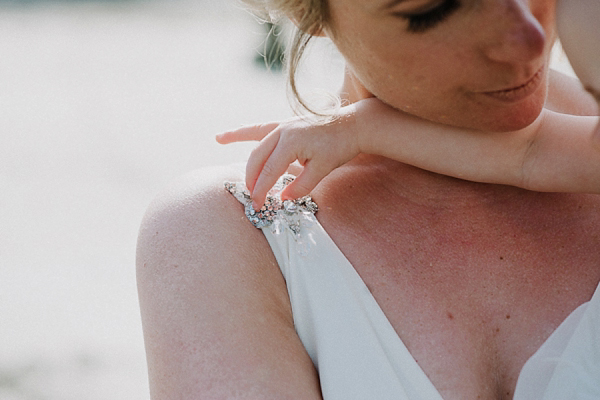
490, 157
557, 153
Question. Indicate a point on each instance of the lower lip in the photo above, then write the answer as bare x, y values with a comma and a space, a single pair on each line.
519, 93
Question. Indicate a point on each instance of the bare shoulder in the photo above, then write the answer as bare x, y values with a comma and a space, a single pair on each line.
215, 309
567, 96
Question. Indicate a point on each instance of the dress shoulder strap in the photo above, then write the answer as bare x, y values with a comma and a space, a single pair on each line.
276, 214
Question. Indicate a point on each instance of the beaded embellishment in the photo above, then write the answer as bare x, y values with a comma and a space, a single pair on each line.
275, 213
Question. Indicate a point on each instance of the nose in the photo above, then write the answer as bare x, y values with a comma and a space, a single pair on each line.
519, 36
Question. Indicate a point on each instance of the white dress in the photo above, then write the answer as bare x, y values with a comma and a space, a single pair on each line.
353, 346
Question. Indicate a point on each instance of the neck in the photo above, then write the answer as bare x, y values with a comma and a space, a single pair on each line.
352, 89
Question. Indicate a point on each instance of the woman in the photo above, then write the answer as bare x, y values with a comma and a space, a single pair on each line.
410, 284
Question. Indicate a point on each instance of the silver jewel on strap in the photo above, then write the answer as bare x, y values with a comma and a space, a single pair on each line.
275, 213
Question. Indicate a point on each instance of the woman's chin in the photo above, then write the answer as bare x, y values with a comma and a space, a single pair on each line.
516, 121
506, 120
513, 117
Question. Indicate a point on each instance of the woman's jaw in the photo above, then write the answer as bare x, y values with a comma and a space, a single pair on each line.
511, 107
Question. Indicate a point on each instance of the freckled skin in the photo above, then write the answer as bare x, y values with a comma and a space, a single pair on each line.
440, 74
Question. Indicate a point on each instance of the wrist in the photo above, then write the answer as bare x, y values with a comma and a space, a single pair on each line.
350, 129
368, 115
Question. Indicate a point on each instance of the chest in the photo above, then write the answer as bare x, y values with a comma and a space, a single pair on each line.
474, 294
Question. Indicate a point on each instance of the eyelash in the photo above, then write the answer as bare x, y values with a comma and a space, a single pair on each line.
418, 23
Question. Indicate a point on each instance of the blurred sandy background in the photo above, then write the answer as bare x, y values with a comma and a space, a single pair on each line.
101, 105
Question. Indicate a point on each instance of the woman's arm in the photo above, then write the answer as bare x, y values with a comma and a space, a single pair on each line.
215, 309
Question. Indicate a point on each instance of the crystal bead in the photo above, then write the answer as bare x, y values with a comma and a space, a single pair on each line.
291, 215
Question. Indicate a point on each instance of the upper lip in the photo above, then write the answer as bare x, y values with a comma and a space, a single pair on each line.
518, 86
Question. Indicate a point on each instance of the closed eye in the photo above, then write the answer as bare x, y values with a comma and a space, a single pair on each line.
421, 22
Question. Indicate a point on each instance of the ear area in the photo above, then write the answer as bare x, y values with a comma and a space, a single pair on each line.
309, 17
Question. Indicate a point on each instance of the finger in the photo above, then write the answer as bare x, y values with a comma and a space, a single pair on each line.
258, 157
247, 133
306, 181
275, 166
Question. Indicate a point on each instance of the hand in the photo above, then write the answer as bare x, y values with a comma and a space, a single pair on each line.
318, 148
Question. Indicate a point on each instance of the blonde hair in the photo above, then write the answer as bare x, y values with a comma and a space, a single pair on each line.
309, 18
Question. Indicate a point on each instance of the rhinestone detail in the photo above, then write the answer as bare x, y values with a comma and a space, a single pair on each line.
292, 215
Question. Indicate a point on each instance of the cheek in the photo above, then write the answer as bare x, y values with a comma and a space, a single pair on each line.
385, 68
418, 83
405, 70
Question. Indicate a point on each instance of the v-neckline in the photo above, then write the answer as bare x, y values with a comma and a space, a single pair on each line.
375, 306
